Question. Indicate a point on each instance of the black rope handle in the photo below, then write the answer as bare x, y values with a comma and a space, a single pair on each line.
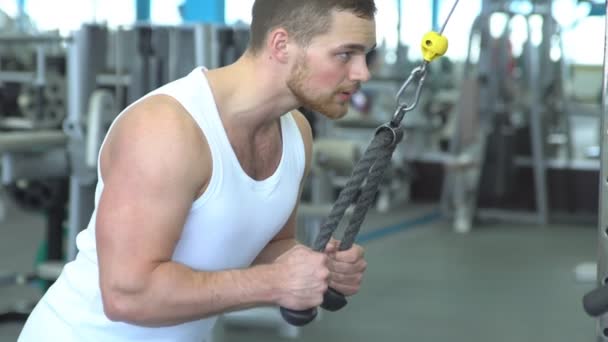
369, 169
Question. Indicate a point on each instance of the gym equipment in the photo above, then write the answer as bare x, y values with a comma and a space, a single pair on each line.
44, 106
58, 96
367, 174
595, 302
512, 123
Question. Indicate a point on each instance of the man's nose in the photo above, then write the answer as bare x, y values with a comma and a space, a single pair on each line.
360, 71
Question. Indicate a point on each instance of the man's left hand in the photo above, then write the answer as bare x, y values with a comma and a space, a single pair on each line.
346, 267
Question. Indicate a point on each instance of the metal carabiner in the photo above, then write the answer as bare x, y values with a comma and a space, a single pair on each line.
418, 74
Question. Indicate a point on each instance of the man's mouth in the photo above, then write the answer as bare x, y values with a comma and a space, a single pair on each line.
345, 95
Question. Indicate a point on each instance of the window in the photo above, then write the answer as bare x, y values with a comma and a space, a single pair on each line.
238, 11
584, 43
9, 7
69, 15
165, 12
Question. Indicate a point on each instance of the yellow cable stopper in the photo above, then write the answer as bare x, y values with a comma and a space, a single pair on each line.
433, 45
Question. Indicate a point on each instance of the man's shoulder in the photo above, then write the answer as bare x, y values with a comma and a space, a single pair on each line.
156, 118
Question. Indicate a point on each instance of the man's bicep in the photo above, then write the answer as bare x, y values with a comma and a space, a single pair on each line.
148, 190
138, 216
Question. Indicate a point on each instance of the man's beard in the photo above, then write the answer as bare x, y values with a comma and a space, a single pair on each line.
322, 103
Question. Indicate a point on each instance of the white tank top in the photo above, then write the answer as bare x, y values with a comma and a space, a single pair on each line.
226, 228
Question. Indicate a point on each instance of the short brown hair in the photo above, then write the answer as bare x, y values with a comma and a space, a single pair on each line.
303, 19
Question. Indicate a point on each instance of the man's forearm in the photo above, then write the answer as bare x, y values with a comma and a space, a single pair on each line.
176, 294
273, 250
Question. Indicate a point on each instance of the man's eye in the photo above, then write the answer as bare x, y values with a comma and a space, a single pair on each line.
345, 56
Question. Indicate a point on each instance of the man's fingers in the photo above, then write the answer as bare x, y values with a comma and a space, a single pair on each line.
351, 255
345, 289
346, 279
332, 246
347, 268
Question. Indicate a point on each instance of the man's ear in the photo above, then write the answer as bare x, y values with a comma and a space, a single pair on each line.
278, 45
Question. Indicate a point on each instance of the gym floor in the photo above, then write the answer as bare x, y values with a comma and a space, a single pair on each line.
501, 282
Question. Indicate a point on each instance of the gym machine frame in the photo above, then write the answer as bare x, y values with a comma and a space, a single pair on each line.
596, 302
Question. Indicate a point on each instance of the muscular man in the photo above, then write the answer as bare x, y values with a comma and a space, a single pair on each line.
198, 187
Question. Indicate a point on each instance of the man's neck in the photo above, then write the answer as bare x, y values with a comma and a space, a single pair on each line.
250, 92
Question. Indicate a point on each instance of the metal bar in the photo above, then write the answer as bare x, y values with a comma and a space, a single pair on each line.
17, 76
39, 165
83, 66
39, 39
40, 79
74, 218
13, 278
602, 267
561, 164
16, 123
203, 46
214, 47
113, 80
26, 141
536, 134
101, 106
173, 57
119, 71
75, 91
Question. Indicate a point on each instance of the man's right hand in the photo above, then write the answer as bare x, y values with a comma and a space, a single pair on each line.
303, 278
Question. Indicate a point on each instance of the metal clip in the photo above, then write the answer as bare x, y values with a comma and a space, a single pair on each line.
392, 129
418, 74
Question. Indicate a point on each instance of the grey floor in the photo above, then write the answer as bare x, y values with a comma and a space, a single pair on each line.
501, 282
